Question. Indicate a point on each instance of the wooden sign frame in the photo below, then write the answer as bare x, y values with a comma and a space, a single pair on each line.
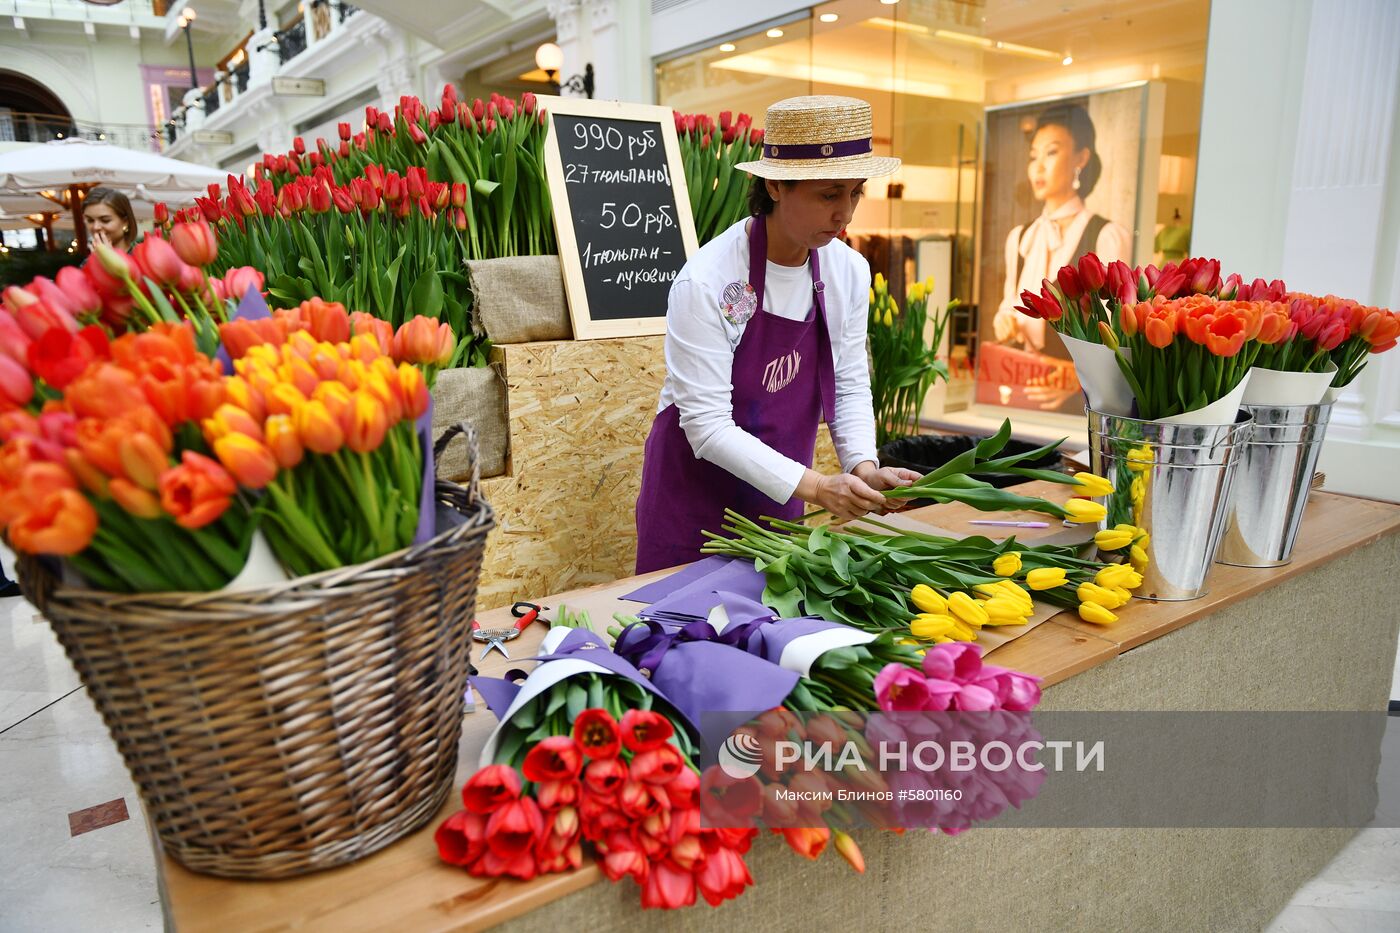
585, 327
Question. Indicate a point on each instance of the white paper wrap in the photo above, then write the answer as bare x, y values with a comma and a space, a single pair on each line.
1276, 387
262, 567
1222, 411
1097, 369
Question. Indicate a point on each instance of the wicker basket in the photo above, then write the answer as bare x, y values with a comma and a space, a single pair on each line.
278, 730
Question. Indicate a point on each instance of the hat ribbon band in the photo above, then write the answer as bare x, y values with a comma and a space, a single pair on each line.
817, 150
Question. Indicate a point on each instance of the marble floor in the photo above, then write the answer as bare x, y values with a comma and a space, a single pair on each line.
76, 857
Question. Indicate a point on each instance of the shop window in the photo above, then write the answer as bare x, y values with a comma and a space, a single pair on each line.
964, 91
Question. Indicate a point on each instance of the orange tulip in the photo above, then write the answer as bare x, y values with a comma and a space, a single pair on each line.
230, 419
283, 441
367, 325
248, 459
240, 336
327, 320
338, 401
299, 373
62, 522
368, 423
91, 478
1273, 324
104, 391
317, 429
808, 843
1129, 319
34, 480
424, 340
241, 393
414, 389
326, 361
142, 459
196, 492
1160, 330
99, 442
139, 502
283, 398
300, 344
386, 390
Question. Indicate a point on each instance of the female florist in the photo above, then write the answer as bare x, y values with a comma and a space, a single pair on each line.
357, 688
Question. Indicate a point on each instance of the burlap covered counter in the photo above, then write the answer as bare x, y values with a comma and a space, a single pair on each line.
1264, 640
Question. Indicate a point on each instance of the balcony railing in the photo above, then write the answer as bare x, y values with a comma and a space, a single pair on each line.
322, 19
18, 127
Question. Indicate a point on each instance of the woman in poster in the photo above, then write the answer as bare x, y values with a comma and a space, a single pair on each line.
1063, 169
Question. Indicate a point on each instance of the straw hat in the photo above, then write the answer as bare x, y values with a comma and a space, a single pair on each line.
818, 137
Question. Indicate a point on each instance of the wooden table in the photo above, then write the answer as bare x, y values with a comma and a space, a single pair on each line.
1244, 655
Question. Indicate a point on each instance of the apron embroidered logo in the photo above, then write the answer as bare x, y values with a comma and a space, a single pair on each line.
778, 374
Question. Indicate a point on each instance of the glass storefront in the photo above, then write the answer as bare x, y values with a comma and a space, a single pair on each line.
992, 105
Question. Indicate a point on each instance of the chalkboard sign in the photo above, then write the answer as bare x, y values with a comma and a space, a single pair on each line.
621, 213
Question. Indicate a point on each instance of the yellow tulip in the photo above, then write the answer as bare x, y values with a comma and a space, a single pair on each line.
889, 319
1137, 492
1115, 575
1138, 555
880, 284
1123, 595
872, 296
928, 285
1093, 593
1046, 578
1084, 511
1112, 539
927, 600
1003, 610
967, 609
928, 625
916, 292
1018, 593
1091, 484
1093, 612
1140, 458
1007, 564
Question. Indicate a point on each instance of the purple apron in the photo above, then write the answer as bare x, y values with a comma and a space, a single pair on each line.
784, 385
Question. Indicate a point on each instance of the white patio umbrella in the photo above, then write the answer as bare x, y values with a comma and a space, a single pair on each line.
78, 164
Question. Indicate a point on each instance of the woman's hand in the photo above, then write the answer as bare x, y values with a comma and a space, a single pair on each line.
845, 496
882, 478
98, 237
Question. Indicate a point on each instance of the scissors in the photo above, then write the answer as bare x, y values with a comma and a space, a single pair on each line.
524, 613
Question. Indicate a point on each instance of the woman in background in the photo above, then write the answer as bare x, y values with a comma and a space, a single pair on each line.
110, 219
1063, 169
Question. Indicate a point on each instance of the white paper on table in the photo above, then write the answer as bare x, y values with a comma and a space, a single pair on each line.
1096, 366
1222, 411
1277, 387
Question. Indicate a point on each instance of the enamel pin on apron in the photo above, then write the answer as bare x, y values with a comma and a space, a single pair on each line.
738, 302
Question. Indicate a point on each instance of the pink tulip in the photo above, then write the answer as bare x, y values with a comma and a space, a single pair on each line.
196, 244
83, 299
158, 261
14, 342
237, 281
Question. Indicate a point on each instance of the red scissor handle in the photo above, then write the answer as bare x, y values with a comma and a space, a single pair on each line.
525, 613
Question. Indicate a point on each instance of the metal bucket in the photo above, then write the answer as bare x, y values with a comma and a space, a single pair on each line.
1272, 482
1175, 481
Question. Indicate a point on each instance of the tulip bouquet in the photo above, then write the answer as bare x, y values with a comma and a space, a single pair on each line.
104, 463
718, 192
323, 423
605, 760
1327, 332
905, 362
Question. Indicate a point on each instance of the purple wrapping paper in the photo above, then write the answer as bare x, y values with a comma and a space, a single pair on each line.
697, 598
660, 589
252, 307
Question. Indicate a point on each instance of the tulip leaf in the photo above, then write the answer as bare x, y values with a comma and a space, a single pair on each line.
427, 296
993, 445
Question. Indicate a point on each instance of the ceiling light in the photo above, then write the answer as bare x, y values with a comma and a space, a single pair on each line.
829, 17
1067, 60
889, 2
897, 25
775, 33
727, 47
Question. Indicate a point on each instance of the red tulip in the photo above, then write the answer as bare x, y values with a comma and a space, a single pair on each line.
343, 129
38, 319
557, 758
1205, 279
16, 385
1068, 280
597, 733
162, 214
756, 137
461, 839
196, 492
1122, 282
644, 730
513, 828
196, 244
83, 300
237, 281
623, 857
14, 342
319, 199
667, 887
326, 320
551, 795
343, 202
657, 766
158, 261
527, 103
59, 357
491, 788
723, 876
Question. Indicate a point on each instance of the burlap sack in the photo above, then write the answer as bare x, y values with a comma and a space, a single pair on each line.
476, 394
519, 299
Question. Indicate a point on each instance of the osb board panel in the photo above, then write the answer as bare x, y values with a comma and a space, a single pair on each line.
579, 413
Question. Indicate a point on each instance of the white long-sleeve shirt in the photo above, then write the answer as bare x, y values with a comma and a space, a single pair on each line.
700, 345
